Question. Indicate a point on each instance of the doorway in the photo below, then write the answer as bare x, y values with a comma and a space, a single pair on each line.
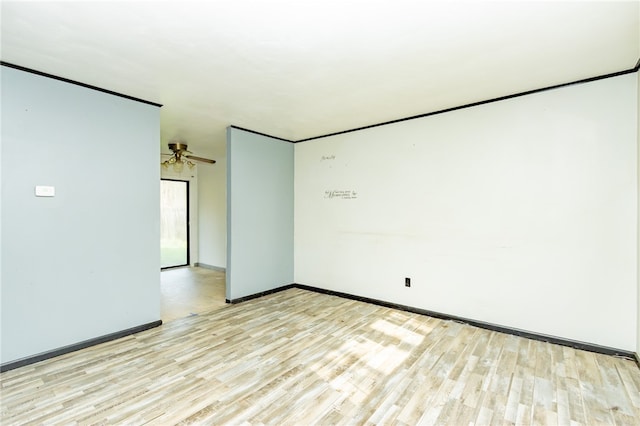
174, 223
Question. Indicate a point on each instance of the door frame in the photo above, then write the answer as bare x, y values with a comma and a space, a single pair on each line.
188, 219
191, 176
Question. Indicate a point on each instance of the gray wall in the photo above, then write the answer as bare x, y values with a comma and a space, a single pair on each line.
84, 263
259, 213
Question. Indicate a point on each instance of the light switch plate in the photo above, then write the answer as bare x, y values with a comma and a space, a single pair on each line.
45, 191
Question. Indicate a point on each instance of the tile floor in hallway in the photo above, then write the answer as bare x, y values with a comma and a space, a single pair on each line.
190, 290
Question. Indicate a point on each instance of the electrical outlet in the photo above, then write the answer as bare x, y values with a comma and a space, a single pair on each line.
407, 282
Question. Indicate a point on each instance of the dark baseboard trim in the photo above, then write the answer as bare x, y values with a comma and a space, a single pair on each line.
168, 268
261, 134
606, 350
262, 293
481, 324
77, 83
213, 268
77, 346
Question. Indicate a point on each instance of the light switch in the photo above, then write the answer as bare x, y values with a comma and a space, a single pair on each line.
45, 191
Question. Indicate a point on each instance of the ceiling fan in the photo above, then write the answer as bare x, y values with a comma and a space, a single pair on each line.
182, 156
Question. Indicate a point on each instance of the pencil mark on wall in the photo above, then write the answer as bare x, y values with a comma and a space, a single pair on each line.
344, 195
327, 157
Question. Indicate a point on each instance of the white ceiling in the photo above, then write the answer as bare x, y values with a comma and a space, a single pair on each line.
302, 68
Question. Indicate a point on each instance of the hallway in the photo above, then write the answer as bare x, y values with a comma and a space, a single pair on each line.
190, 291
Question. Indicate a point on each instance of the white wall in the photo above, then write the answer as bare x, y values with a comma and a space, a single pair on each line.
260, 213
86, 262
521, 213
212, 193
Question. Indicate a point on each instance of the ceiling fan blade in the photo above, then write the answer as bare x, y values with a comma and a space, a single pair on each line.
204, 160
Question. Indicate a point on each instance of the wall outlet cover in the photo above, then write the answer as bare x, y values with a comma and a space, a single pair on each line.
45, 191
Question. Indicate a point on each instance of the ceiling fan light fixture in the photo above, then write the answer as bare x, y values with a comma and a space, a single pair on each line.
167, 163
178, 166
179, 158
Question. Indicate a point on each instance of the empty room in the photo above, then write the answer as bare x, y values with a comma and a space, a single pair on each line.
320, 212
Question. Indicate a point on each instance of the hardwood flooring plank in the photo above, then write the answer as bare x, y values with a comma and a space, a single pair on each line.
299, 357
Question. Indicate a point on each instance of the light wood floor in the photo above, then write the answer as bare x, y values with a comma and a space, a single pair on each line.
298, 358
